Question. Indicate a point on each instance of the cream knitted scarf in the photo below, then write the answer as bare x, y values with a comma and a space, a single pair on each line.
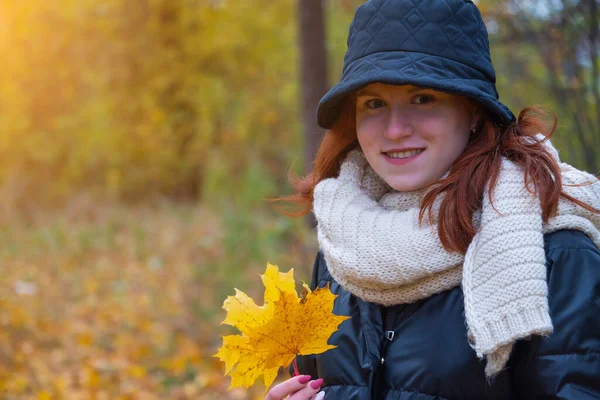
376, 249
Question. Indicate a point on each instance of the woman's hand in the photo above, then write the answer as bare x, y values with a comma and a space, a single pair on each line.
298, 388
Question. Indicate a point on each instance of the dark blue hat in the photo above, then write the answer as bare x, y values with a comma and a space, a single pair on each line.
439, 44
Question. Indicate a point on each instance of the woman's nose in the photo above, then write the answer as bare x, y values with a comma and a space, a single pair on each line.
399, 124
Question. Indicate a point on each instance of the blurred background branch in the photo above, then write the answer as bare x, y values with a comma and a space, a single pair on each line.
547, 52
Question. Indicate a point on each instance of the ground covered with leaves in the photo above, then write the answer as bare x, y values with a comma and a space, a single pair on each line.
116, 302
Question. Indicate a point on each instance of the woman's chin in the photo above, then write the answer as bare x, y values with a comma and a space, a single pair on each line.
406, 186
409, 184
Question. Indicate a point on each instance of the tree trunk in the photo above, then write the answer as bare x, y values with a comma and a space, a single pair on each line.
313, 70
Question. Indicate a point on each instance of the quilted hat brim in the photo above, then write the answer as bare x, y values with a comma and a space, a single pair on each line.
411, 68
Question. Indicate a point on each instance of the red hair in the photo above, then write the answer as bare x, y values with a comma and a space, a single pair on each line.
465, 185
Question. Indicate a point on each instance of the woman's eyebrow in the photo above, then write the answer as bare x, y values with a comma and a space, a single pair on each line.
366, 92
417, 88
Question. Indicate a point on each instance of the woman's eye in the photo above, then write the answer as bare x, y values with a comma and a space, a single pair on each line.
375, 103
423, 99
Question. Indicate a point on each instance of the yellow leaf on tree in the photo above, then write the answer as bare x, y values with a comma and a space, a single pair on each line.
274, 334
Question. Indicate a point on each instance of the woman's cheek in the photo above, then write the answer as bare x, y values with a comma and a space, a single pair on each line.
367, 129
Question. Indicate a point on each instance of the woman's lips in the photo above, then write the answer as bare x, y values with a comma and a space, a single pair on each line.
402, 161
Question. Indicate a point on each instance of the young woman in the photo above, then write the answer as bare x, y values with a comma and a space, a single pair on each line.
465, 252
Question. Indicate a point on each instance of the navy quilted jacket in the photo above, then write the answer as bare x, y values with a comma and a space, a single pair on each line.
420, 351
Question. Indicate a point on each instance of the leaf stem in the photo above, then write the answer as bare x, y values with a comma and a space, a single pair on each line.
295, 364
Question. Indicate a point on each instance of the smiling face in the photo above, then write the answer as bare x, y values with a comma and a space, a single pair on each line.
411, 136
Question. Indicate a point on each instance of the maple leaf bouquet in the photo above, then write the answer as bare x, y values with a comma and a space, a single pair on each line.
272, 335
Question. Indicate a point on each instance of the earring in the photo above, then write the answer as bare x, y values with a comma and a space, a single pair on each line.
473, 128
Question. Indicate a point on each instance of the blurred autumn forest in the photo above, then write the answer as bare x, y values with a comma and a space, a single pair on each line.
139, 140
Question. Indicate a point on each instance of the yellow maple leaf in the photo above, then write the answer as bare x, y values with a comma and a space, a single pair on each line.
272, 335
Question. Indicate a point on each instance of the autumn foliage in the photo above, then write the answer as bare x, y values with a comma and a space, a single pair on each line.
139, 140
275, 333
114, 302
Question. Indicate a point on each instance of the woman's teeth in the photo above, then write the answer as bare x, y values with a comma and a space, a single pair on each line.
405, 154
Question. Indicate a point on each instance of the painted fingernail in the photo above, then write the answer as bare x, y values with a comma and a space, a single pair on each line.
304, 379
316, 384
320, 396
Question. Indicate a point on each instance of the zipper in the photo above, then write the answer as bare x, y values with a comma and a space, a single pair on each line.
388, 336
388, 333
